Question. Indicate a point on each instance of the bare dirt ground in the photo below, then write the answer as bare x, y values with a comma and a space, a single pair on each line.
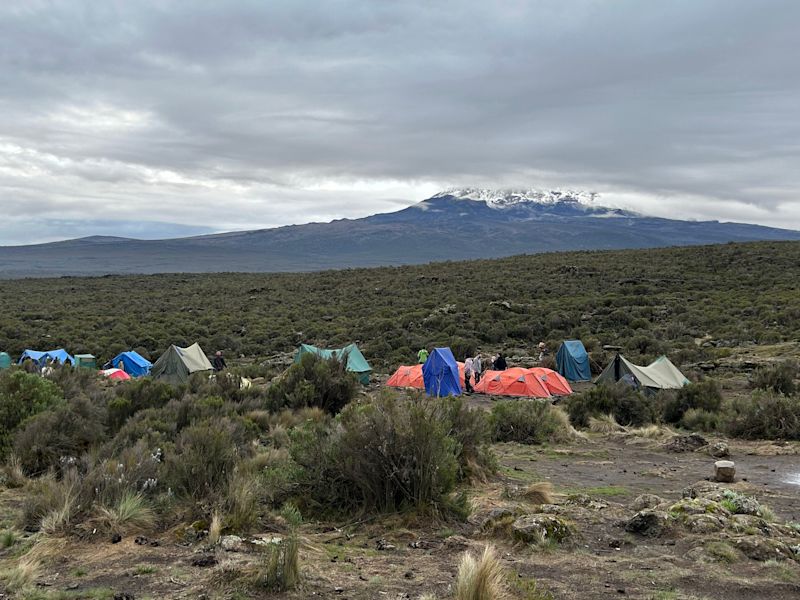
595, 481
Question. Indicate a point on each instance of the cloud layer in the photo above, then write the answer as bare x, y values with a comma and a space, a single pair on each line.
252, 114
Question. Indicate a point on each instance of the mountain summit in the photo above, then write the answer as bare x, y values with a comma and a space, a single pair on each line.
456, 224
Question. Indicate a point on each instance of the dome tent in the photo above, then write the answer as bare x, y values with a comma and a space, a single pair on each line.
513, 382
134, 363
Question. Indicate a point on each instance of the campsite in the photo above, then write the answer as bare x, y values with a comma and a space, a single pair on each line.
326, 461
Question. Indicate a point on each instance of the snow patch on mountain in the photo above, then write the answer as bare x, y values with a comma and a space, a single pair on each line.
499, 199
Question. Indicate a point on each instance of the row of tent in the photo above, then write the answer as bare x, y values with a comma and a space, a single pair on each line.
134, 364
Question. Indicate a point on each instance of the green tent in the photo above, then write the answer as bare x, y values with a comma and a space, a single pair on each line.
5, 360
355, 360
661, 374
176, 364
87, 361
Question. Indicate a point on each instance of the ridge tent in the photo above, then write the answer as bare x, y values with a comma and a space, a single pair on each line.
554, 382
176, 364
58, 355
356, 362
135, 364
5, 360
572, 361
661, 374
411, 376
515, 381
440, 373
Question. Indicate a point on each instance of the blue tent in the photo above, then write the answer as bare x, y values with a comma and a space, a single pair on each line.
58, 355
134, 363
440, 374
573, 362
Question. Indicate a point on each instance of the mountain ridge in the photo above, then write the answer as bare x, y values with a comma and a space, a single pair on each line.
464, 223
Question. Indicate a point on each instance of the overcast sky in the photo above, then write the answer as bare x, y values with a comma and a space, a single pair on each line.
163, 118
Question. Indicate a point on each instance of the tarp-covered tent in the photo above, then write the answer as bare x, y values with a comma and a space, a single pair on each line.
515, 381
441, 375
661, 374
355, 360
176, 364
134, 364
59, 355
411, 377
555, 383
5, 360
572, 361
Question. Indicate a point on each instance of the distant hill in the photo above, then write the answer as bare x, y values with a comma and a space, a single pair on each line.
453, 225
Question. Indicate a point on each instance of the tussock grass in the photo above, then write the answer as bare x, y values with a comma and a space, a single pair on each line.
540, 492
481, 579
604, 424
652, 432
60, 504
722, 551
280, 567
13, 474
129, 513
22, 575
215, 529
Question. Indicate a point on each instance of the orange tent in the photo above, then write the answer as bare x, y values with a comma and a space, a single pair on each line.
512, 382
553, 381
412, 377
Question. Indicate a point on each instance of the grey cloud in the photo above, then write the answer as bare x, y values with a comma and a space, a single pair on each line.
266, 112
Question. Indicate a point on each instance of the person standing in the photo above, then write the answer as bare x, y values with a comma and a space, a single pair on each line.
477, 367
468, 366
542, 351
219, 362
500, 363
422, 356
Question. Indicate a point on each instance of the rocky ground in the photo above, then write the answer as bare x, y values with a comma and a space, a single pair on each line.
629, 516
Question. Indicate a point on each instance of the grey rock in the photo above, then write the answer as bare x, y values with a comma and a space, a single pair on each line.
724, 471
648, 523
719, 450
647, 501
231, 543
538, 528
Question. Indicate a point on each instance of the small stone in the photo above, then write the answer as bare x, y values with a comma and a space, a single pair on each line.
647, 501
116, 538
539, 528
384, 545
724, 471
231, 543
719, 450
686, 443
207, 560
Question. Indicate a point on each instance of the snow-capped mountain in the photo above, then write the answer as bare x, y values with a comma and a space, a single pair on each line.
457, 224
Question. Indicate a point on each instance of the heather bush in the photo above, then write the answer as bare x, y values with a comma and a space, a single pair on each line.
778, 378
765, 415
138, 395
625, 404
703, 395
23, 395
527, 422
314, 382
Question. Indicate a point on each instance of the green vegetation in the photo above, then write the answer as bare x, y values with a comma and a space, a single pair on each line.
528, 422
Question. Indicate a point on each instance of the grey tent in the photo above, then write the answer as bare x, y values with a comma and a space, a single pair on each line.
176, 364
661, 374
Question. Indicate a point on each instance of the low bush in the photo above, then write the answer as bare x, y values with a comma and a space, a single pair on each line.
697, 419
314, 382
139, 395
765, 415
777, 378
626, 405
23, 395
703, 395
527, 422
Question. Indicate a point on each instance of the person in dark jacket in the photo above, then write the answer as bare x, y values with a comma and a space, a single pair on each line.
500, 363
219, 362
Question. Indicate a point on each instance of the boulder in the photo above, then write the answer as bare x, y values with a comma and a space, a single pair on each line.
231, 543
648, 523
539, 528
724, 471
703, 524
686, 443
698, 506
719, 450
763, 549
647, 501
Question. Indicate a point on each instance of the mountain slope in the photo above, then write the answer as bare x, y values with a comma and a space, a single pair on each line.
452, 225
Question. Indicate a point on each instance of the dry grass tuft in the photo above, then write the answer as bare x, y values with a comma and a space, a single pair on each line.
215, 529
652, 432
13, 475
481, 579
130, 513
604, 424
540, 492
22, 575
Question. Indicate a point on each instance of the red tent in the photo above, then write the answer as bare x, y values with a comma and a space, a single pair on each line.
116, 374
512, 382
553, 381
412, 377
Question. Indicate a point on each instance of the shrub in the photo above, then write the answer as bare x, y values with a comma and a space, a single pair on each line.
48, 438
470, 428
314, 382
527, 422
626, 405
138, 395
778, 378
703, 395
51, 504
765, 415
384, 455
697, 419
23, 395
